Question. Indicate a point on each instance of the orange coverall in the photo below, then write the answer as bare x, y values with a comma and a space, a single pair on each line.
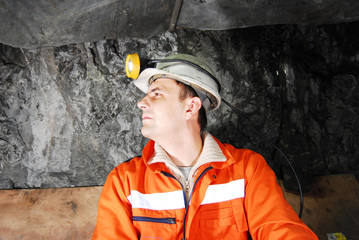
145, 201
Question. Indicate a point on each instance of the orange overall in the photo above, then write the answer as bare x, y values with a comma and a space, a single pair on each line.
142, 200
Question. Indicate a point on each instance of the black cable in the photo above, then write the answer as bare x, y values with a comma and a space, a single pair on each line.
249, 124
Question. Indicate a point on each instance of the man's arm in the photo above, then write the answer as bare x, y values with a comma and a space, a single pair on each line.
269, 215
114, 217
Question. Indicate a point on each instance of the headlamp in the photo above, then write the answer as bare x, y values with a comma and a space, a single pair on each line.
133, 65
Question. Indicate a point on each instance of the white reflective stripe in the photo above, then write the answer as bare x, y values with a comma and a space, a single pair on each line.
157, 201
224, 192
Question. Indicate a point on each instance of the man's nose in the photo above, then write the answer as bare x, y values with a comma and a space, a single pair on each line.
143, 103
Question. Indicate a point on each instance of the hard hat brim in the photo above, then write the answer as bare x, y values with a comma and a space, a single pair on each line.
143, 82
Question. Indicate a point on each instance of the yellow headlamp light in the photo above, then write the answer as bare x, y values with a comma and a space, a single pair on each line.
133, 66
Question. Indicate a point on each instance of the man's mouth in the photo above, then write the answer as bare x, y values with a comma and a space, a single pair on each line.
145, 118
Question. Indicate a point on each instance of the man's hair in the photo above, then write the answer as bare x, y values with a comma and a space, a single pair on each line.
186, 92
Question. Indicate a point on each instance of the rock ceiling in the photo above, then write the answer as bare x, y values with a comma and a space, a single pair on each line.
32, 24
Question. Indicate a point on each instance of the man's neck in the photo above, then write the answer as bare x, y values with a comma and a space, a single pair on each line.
184, 149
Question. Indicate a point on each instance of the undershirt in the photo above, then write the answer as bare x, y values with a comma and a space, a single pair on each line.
185, 171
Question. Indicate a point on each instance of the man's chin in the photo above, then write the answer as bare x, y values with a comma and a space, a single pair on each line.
145, 133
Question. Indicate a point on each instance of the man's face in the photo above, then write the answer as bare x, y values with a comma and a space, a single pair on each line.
163, 113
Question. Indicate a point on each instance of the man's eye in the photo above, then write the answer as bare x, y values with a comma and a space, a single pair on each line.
157, 94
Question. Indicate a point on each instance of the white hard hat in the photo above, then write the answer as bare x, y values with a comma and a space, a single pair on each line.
188, 70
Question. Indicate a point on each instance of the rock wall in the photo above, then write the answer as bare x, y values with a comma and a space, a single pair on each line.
68, 114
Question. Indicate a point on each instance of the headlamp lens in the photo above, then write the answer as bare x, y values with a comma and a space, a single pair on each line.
132, 65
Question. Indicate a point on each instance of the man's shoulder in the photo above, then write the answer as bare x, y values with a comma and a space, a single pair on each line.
242, 153
232, 148
132, 159
129, 163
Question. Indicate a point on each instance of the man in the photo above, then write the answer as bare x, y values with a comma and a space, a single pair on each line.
188, 185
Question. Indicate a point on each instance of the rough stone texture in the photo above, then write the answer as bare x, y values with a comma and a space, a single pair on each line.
229, 14
68, 114
44, 23
41, 23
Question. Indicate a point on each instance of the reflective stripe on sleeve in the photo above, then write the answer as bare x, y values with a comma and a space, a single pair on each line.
157, 201
224, 192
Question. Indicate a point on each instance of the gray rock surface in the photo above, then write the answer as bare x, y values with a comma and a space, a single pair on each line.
68, 114
228, 14
41, 23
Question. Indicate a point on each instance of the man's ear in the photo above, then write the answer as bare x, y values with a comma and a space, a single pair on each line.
193, 105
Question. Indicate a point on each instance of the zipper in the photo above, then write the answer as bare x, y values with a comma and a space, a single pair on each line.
184, 194
187, 187
155, 220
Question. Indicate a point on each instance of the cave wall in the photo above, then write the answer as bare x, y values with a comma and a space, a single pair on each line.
68, 114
